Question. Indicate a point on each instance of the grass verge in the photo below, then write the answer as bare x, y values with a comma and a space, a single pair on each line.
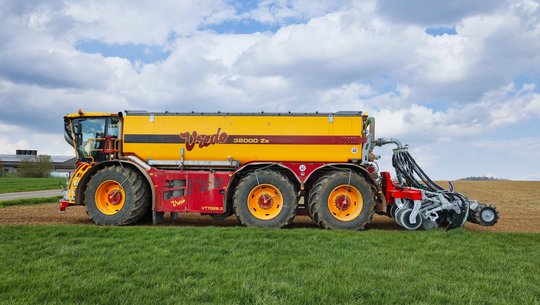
28, 201
10, 185
164, 265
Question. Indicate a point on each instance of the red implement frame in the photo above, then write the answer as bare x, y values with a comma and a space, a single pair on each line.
391, 191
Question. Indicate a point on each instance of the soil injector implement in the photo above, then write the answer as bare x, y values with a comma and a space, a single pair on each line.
265, 168
415, 201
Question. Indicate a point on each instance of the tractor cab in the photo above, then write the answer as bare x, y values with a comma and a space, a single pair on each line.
94, 136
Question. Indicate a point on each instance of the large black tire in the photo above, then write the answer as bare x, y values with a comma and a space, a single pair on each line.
135, 196
275, 193
323, 193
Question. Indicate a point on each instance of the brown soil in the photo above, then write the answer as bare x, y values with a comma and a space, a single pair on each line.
518, 204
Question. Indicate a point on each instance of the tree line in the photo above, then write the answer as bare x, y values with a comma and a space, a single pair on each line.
41, 167
480, 178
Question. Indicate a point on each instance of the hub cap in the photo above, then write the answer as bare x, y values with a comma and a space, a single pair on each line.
265, 201
110, 197
487, 215
345, 202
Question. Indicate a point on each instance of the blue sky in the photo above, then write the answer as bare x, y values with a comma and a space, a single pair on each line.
135, 53
456, 80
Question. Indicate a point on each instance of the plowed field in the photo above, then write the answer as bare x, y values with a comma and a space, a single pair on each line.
518, 203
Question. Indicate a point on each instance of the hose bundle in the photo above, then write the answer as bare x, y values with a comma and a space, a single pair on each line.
410, 173
408, 170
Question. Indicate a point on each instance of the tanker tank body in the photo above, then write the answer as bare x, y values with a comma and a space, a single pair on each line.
269, 137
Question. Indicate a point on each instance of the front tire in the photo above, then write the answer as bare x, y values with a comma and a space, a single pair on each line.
265, 198
341, 200
117, 196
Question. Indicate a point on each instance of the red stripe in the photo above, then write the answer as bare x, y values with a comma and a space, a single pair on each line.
305, 140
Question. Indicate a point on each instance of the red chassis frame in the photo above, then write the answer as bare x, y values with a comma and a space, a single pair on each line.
204, 191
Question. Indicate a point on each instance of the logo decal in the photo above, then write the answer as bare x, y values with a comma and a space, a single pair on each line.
176, 203
203, 140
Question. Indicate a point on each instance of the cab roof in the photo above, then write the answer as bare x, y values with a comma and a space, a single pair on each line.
82, 114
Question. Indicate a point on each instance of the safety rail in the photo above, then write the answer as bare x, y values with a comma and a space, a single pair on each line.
109, 148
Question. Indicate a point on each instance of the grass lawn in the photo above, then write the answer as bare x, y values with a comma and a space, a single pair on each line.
172, 265
8, 203
9, 185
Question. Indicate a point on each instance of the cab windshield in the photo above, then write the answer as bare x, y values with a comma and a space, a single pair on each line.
94, 138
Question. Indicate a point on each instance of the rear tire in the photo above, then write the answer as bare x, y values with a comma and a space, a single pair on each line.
117, 196
265, 199
341, 200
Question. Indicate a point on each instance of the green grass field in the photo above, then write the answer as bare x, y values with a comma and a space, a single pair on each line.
28, 201
8, 185
172, 265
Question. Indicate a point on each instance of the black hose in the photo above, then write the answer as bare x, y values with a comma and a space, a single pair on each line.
413, 176
407, 168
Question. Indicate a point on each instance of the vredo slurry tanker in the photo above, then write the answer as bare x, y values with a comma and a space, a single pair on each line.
255, 165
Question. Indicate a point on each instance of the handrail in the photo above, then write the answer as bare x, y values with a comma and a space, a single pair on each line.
110, 147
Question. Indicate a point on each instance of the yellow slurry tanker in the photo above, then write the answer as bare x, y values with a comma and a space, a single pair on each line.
255, 165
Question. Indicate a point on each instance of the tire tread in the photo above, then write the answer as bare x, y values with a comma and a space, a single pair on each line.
139, 200
243, 186
316, 203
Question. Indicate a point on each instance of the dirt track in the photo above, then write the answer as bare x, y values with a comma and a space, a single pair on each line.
517, 202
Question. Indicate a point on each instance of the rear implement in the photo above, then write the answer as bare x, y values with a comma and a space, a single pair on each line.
416, 202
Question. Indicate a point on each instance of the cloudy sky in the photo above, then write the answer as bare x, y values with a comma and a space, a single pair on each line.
456, 80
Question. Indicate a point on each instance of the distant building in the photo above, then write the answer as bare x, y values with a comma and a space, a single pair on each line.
10, 163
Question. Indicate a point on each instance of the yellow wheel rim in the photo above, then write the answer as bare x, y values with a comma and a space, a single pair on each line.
110, 197
265, 201
345, 202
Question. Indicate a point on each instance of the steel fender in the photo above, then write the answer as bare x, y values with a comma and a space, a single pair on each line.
265, 164
80, 190
355, 167
323, 166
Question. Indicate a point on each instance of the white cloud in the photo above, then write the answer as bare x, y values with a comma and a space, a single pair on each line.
122, 22
517, 147
282, 11
426, 12
346, 95
443, 59
337, 47
496, 109
432, 92
9, 147
44, 143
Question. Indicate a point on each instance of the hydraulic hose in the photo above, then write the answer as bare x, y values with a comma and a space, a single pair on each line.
411, 174
407, 168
